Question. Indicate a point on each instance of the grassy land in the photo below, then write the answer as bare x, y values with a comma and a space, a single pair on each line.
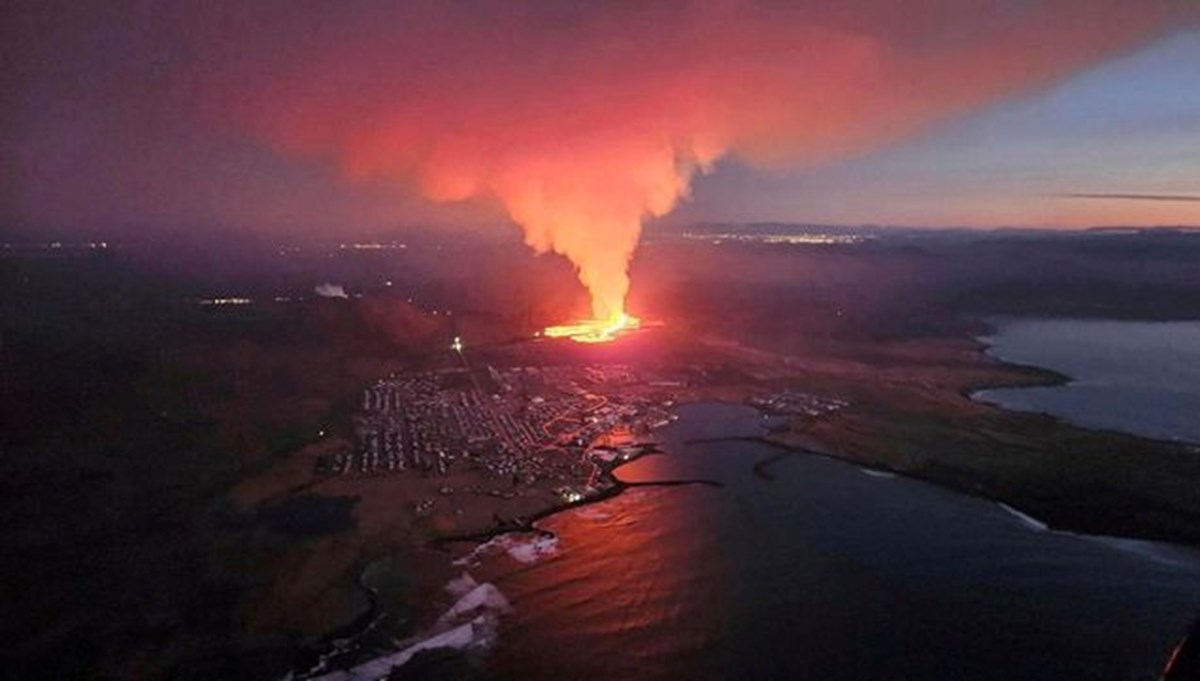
911, 413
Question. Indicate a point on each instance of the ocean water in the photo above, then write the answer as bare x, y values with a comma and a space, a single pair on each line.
825, 572
1138, 377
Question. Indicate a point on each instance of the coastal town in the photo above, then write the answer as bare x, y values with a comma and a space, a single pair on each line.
511, 427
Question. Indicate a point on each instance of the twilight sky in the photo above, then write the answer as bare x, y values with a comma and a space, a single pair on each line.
1123, 137
335, 117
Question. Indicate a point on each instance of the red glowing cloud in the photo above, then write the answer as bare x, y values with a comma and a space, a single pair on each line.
583, 120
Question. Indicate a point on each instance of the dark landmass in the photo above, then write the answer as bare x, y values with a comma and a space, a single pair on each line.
163, 517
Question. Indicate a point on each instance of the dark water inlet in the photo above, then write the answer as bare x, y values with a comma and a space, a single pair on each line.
826, 572
1138, 377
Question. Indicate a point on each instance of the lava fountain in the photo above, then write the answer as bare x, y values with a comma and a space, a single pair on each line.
595, 330
582, 121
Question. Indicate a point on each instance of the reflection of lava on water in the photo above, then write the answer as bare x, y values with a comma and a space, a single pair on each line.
623, 566
595, 330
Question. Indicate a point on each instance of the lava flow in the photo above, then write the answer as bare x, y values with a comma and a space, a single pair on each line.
595, 330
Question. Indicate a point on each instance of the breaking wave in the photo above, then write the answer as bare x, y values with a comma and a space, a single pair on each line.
875, 473
470, 624
1168, 555
521, 548
1027, 520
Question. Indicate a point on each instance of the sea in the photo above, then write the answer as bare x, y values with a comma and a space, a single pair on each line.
1138, 377
813, 568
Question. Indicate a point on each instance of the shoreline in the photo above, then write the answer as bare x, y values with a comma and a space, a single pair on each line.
1034, 522
761, 468
1056, 515
1058, 520
1046, 378
1014, 506
1037, 377
348, 635
614, 488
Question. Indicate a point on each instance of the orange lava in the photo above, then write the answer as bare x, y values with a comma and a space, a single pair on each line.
595, 330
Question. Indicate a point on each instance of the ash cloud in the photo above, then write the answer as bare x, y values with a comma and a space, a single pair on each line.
585, 120
580, 120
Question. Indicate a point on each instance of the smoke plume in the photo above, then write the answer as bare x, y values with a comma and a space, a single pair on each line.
582, 120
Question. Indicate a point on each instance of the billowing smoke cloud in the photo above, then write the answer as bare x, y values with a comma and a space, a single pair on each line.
583, 119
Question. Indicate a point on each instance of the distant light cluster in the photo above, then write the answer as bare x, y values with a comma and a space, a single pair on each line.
55, 246
803, 238
374, 246
226, 301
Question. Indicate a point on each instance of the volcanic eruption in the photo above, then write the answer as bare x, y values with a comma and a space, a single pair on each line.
583, 120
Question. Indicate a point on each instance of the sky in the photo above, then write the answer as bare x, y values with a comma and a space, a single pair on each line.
337, 118
1111, 145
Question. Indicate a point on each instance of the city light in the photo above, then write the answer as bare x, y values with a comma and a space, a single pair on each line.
801, 238
374, 246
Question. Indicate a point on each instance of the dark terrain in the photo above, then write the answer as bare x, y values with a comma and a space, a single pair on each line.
129, 409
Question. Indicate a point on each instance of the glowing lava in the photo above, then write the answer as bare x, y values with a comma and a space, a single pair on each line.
595, 330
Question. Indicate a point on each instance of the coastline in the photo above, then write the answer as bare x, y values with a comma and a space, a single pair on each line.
346, 637
1159, 550
1166, 552
431, 634
1058, 514
1044, 377
1011, 504
1034, 376
868, 426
